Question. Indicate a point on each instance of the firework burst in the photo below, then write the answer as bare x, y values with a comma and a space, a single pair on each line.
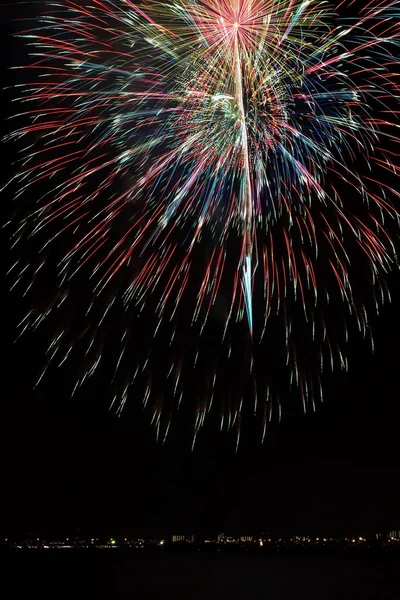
216, 159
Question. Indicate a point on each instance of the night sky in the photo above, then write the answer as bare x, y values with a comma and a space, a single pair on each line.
71, 463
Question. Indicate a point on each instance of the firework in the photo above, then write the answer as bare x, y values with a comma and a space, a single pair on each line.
230, 160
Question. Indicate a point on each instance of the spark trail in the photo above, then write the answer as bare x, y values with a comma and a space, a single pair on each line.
246, 187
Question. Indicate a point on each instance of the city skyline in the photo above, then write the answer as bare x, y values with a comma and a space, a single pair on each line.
221, 539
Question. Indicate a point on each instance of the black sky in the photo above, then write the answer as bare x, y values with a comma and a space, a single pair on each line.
71, 463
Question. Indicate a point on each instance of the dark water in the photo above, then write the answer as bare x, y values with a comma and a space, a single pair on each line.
197, 576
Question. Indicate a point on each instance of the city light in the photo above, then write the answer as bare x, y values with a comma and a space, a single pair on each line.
261, 542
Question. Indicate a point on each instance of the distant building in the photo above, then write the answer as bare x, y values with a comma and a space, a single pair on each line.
395, 534
246, 538
189, 539
57, 544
